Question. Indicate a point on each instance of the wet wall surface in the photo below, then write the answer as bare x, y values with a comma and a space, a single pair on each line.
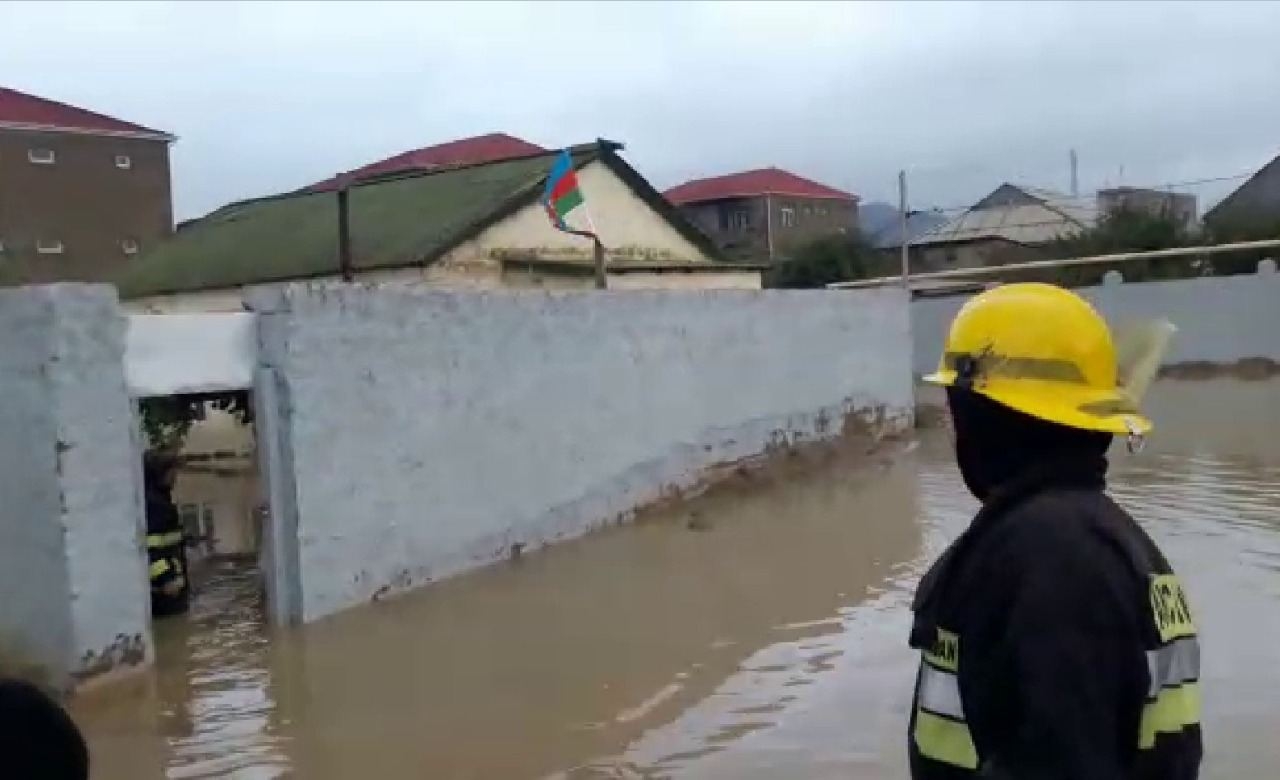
756, 632
1240, 324
416, 434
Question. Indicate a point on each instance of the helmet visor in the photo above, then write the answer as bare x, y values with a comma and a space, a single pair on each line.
1141, 347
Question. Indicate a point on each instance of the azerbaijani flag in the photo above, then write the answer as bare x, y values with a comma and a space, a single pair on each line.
562, 195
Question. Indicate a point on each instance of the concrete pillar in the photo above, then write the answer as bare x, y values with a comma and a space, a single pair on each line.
72, 563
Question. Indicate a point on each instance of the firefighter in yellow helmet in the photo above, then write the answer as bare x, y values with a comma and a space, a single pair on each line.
166, 545
1056, 641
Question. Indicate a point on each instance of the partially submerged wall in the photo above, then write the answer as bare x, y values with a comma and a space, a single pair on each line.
1221, 320
418, 434
72, 570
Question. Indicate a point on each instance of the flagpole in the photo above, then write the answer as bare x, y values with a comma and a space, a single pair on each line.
602, 278
597, 250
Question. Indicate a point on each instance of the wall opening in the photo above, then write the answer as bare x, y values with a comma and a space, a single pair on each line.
204, 512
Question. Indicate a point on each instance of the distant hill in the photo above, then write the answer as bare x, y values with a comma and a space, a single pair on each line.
875, 217
880, 224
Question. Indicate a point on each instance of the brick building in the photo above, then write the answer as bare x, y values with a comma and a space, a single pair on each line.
1177, 206
766, 214
80, 193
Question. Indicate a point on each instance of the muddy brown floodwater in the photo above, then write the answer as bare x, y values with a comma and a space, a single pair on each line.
756, 632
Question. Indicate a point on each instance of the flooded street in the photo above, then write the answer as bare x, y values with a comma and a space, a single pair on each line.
756, 632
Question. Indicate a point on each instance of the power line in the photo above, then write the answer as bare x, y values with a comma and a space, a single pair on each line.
993, 230
1087, 199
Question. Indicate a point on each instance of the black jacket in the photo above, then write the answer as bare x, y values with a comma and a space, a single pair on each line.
1041, 629
166, 554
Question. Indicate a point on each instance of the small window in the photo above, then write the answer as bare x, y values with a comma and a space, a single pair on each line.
788, 217
129, 246
42, 156
124, 162
740, 220
47, 247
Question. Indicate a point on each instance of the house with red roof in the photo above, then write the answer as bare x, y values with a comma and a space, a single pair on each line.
81, 193
446, 224
764, 214
476, 150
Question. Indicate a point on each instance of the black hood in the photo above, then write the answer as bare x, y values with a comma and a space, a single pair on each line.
995, 444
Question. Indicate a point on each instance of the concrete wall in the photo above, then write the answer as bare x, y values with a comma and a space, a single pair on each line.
1220, 319
676, 280
413, 435
172, 354
671, 278
72, 568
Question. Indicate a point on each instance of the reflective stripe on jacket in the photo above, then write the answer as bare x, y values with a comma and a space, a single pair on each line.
1055, 642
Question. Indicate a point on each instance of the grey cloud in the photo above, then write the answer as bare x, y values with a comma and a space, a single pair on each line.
267, 97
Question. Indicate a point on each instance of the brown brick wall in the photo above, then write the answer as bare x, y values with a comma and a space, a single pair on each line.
82, 200
715, 218
813, 218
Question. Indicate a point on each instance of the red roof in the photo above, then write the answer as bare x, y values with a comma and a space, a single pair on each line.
748, 184
465, 151
19, 108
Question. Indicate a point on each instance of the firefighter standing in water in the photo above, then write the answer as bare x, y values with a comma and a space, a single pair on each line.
166, 545
1056, 641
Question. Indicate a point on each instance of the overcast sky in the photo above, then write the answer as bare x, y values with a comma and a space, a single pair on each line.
270, 97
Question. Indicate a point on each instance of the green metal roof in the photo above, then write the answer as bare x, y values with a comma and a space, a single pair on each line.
398, 221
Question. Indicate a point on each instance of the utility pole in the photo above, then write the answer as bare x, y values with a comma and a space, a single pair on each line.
344, 236
902, 207
1075, 175
768, 224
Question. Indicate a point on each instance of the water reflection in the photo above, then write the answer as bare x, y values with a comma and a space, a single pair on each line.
757, 632
531, 667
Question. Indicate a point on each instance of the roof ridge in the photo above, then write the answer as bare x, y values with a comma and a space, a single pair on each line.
79, 109
411, 226
753, 182
488, 146
412, 173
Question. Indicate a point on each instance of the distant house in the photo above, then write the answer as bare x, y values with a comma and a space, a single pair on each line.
766, 214
464, 151
476, 226
885, 230
1009, 225
1178, 206
1252, 209
81, 193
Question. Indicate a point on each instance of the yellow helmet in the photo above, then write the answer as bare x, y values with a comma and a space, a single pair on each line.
1043, 351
